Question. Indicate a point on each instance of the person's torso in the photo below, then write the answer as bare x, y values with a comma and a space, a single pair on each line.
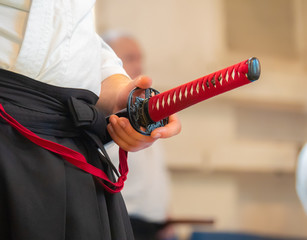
50, 41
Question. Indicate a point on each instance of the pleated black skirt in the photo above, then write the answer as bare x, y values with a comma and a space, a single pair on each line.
42, 196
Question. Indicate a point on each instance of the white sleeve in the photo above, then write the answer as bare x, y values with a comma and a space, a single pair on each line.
110, 63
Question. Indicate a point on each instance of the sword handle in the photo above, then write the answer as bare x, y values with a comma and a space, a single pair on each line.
146, 114
174, 100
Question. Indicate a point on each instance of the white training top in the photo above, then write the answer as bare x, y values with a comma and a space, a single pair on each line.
55, 42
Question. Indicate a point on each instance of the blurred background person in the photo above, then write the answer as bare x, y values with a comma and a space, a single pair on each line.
146, 191
236, 156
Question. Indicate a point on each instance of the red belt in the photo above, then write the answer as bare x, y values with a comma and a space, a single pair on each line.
75, 158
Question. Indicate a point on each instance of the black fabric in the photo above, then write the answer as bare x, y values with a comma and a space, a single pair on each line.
144, 230
41, 195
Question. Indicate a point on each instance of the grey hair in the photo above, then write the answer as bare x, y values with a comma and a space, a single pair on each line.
113, 35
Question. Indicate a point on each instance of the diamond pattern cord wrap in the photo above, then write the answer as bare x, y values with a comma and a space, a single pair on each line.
164, 104
75, 158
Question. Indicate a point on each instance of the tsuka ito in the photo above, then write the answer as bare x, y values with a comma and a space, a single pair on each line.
164, 104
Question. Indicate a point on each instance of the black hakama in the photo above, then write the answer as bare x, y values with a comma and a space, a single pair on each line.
43, 196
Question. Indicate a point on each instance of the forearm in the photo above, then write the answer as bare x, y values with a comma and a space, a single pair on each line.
111, 97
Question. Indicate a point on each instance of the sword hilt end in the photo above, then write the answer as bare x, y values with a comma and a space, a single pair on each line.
254, 69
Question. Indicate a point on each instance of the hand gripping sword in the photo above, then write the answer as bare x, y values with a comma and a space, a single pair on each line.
146, 114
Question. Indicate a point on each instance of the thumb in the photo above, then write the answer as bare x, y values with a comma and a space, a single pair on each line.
141, 82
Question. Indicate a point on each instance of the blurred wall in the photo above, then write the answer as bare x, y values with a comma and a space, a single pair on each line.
236, 156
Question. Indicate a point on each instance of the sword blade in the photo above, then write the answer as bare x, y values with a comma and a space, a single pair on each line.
174, 100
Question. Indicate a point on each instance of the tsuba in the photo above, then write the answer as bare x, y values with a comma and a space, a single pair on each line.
137, 108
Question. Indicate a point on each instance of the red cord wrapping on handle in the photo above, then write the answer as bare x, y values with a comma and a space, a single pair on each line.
75, 158
165, 104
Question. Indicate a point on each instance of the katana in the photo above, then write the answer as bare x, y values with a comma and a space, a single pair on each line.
150, 109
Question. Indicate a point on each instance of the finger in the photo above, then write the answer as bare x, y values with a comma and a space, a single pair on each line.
143, 82
118, 129
124, 129
125, 146
169, 130
124, 135
128, 146
140, 82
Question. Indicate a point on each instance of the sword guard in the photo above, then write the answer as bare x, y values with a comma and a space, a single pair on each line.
137, 108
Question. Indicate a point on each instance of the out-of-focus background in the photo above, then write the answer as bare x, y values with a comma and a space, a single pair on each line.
235, 158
